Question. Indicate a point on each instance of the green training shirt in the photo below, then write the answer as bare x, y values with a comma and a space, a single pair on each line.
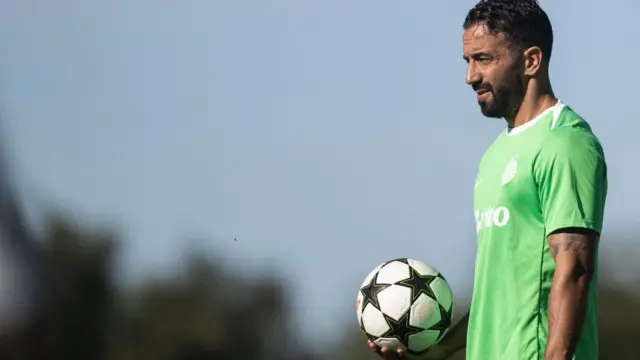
545, 175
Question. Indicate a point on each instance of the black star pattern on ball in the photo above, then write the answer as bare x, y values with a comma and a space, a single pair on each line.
370, 292
419, 284
402, 260
400, 329
371, 337
444, 323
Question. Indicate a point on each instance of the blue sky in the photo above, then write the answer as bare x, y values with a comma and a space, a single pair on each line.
325, 136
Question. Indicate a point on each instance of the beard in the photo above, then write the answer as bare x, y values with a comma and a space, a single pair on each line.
505, 99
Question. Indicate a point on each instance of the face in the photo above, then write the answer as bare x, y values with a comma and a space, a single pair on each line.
493, 72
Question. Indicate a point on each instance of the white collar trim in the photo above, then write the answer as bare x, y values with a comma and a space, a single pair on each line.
556, 109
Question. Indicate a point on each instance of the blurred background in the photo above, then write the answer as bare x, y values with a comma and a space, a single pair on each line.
214, 179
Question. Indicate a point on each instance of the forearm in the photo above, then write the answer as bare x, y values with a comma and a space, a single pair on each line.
456, 338
567, 308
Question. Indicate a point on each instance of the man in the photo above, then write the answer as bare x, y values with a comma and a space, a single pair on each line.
539, 200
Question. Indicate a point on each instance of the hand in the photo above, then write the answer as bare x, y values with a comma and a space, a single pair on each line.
387, 353
435, 353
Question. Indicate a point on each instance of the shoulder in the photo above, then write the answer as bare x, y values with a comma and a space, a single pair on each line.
570, 140
569, 147
570, 134
569, 152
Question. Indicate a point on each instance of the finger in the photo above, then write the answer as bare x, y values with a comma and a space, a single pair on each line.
374, 347
387, 353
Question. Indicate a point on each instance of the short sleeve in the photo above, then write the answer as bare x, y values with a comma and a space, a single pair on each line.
571, 175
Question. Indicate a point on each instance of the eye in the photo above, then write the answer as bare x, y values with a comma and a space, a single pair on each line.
484, 60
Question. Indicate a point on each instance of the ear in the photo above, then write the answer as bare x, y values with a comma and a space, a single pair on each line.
532, 60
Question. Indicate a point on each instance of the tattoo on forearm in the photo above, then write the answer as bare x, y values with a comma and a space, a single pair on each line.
574, 253
575, 242
569, 242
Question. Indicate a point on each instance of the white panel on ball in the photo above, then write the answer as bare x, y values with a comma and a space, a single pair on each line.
393, 272
391, 343
395, 301
359, 304
373, 321
443, 293
425, 312
422, 268
371, 275
423, 340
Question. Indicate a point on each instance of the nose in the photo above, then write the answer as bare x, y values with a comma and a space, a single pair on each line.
473, 76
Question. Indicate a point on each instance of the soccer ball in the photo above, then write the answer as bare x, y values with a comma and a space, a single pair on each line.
405, 304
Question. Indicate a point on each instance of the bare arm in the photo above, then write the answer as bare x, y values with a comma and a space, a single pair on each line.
454, 341
456, 338
574, 253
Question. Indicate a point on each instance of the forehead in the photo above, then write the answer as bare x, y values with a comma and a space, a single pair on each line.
478, 38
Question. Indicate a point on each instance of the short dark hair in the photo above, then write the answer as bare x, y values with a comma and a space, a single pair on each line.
523, 22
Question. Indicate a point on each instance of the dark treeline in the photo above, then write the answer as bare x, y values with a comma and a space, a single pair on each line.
205, 312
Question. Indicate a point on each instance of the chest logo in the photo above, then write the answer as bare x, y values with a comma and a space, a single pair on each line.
492, 218
510, 171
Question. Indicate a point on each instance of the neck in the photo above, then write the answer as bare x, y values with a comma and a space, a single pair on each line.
535, 101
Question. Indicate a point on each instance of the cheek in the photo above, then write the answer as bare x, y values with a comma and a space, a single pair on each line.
505, 78
514, 81
514, 74
492, 77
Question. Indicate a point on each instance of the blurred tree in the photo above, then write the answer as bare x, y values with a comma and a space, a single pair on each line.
204, 313
199, 312
80, 265
619, 322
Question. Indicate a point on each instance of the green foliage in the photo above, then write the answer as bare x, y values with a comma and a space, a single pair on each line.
204, 312
80, 266
200, 312
619, 322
